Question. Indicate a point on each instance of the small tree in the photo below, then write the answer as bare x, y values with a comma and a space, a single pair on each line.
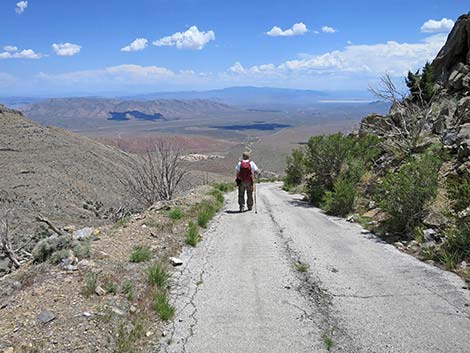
421, 86
157, 174
295, 169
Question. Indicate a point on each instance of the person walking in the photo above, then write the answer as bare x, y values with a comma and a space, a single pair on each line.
246, 170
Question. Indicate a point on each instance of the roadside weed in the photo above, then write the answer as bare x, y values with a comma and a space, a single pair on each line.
176, 213
91, 283
301, 267
162, 306
328, 342
140, 254
128, 290
192, 236
158, 275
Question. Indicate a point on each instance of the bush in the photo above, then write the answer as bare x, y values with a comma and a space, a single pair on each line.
176, 213
457, 246
192, 236
225, 187
295, 169
140, 254
404, 195
459, 192
158, 275
328, 157
340, 201
46, 247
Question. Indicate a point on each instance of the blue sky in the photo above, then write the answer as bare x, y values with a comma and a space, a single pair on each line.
62, 47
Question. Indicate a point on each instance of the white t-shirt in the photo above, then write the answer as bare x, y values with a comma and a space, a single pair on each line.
254, 168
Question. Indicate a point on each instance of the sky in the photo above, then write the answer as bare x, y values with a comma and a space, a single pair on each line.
66, 47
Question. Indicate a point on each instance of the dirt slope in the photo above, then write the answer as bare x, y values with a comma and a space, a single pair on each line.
55, 172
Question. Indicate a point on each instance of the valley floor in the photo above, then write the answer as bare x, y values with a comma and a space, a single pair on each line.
291, 279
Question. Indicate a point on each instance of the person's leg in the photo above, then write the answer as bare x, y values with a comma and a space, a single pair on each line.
249, 190
241, 196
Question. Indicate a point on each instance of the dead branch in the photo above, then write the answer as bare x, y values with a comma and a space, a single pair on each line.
40, 218
5, 242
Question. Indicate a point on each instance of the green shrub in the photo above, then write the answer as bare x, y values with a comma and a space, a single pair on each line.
91, 283
192, 236
225, 187
404, 194
140, 254
46, 247
340, 201
158, 275
82, 249
206, 211
111, 288
162, 306
295, 169
459, 192
176, 213
329, 157
219, 197
128, 290
457, 246
58, 256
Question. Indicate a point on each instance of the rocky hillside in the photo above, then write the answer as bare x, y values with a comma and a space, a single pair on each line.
404, 175
63, 176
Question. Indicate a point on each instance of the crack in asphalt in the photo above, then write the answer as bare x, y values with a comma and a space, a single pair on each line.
310, 288
187, 288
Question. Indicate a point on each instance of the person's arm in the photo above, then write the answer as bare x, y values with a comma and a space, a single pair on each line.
237, 169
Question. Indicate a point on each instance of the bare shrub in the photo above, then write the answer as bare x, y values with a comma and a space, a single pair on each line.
157, 174
405, 126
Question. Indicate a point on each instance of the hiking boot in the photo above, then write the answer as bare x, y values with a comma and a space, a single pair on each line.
250, 208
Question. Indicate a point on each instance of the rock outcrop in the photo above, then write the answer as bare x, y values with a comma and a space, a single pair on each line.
456, 51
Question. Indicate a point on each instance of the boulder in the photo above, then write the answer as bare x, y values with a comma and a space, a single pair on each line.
435, 220
462, 114
455, 51
457, 76
83, 233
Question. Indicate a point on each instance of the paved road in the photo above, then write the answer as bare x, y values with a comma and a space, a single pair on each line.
240, 290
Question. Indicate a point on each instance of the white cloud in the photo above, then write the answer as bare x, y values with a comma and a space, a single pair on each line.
136, 45
10, 48
66, 49
328, 29
23, 54
296, 30
21, 6
365, 60
191, 39
433, 26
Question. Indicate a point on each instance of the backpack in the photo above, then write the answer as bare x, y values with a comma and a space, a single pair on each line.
245, 174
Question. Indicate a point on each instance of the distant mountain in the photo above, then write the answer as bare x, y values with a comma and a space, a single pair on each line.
257, 97
85, 112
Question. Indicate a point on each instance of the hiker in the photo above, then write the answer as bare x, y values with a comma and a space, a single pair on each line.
246, 170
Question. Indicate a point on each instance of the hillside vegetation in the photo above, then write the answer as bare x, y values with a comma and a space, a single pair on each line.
404, 175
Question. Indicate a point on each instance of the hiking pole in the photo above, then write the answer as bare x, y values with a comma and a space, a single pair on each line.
254, 186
